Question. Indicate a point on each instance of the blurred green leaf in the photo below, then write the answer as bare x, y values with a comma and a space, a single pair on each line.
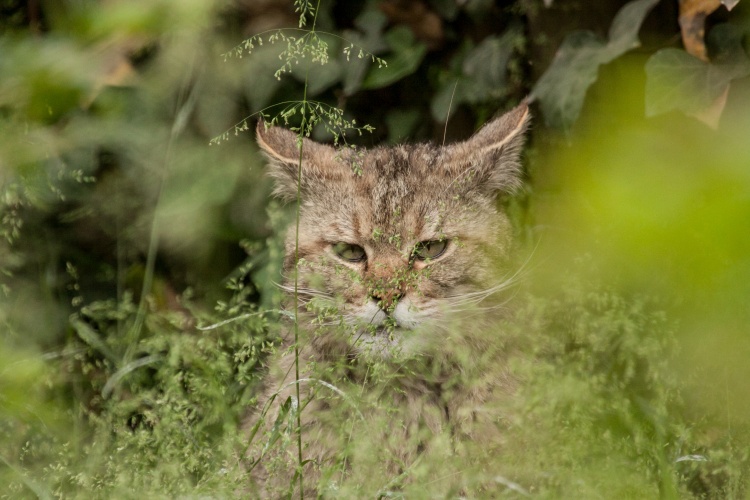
257, 79
401, 123
562, 88
320, 77
370, 22
44, 79
407, 54
482, 77
677, 80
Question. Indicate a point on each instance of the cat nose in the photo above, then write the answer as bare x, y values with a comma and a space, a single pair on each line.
386, 299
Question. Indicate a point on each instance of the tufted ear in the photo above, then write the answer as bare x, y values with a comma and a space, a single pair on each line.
282, 148
490, 159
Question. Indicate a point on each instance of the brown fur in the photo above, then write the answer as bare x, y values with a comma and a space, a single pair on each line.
392, 314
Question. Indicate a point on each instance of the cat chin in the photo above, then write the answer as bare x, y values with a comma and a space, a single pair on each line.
387, 343
381, 336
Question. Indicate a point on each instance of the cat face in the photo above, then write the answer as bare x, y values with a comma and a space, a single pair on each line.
394, 239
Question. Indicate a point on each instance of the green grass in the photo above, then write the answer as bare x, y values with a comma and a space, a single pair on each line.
598, 412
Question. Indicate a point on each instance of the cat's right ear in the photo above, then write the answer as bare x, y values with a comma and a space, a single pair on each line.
292, 161
491, 157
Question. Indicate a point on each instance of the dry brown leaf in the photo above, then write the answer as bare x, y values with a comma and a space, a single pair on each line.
693, 15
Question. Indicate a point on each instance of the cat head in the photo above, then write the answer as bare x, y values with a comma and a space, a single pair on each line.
395, 239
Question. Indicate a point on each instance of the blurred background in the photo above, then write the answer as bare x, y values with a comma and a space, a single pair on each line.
137, 257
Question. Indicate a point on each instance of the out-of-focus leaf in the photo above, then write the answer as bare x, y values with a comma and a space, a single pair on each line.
478, 8
678, 80
562, 88
486, 67
727, 44
448, 9
258, 79
45, 80
407, 54
371, 24
319, 77
401, 123
623, 33
482, 76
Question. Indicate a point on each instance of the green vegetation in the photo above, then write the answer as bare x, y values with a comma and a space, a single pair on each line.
138, 264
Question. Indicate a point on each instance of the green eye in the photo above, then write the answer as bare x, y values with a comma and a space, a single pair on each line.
350, 252
430, 249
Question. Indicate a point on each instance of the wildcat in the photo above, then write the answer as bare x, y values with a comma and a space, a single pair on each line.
397, 249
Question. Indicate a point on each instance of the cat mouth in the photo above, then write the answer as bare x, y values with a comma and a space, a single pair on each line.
383, 330
381, 342
386, 324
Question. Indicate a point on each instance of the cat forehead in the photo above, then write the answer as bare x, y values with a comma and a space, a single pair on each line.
405, 158
394, 178
398, 190
399, 171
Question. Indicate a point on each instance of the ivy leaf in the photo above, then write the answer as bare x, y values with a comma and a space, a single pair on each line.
486, 66
562, 88
369, 38
407, 54
623, 34
481, 75
678, 80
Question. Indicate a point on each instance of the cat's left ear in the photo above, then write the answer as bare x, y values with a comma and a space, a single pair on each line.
286, 152
490, 159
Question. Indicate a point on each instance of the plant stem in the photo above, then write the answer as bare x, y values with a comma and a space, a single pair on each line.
302, 134
296, 294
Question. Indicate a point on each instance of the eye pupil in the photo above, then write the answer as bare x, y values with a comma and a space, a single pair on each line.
350, 252
430, 249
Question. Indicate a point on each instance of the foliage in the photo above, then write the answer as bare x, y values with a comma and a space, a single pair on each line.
684, 80
562, 88
678, 80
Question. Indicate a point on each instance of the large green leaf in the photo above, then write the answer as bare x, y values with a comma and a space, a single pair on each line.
479, 77
486, 66
407, 53
562, 88
678, 81
368, 39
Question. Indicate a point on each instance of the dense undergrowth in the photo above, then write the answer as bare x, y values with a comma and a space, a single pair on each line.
599, 409
134, 327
